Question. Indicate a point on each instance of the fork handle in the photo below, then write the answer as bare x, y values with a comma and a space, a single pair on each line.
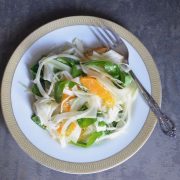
167, 125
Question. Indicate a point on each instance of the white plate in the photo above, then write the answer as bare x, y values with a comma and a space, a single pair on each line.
22, 101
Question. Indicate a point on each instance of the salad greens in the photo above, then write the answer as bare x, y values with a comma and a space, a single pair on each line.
75, 71
112, 69
35, 90
101, 123
91, 139
83, 107
85, 122
37, 121
59, 87
107, 66
33, 70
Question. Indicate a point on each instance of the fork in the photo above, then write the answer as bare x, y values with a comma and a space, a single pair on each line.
110, 39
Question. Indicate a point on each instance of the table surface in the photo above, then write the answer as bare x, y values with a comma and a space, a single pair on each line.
157, 25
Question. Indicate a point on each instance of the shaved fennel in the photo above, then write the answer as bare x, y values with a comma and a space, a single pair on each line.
82, 102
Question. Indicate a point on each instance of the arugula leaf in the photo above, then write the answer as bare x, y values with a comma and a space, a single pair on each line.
92, 138
35, 90
59, 87
85, 122
38, 121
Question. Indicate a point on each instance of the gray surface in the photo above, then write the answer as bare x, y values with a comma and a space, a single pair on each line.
157, 25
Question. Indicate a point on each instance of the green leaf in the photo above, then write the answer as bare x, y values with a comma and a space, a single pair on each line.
107, 132
109, 67
128, 80
114, 123
35, 67
101, 123
59, 87
37, 121
92, 138
98, 63
55, 70
71, 84
34, 70
83, 107
35, 90
75, 71
99, 113
46, 84
68, 61
112, 69
58, 90
62, 60
85, 122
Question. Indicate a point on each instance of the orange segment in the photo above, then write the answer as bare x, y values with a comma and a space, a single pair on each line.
98, 89
59, 130
66, 106
69, 130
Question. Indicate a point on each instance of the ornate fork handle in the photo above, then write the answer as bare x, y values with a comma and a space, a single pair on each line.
166, 124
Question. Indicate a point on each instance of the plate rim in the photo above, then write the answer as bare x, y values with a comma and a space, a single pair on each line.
73, 167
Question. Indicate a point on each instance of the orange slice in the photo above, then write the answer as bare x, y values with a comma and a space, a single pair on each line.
95, 87
69, 130
66, 106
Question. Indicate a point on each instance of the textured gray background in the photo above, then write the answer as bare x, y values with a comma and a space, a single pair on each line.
157, 25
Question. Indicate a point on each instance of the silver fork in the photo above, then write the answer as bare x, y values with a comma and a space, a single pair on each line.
108, 38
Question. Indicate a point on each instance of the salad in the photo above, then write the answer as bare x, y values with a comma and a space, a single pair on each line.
81, 97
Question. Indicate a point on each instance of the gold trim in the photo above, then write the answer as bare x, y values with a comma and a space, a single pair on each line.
69, 167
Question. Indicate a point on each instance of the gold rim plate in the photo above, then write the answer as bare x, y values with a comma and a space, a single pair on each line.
70, 167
